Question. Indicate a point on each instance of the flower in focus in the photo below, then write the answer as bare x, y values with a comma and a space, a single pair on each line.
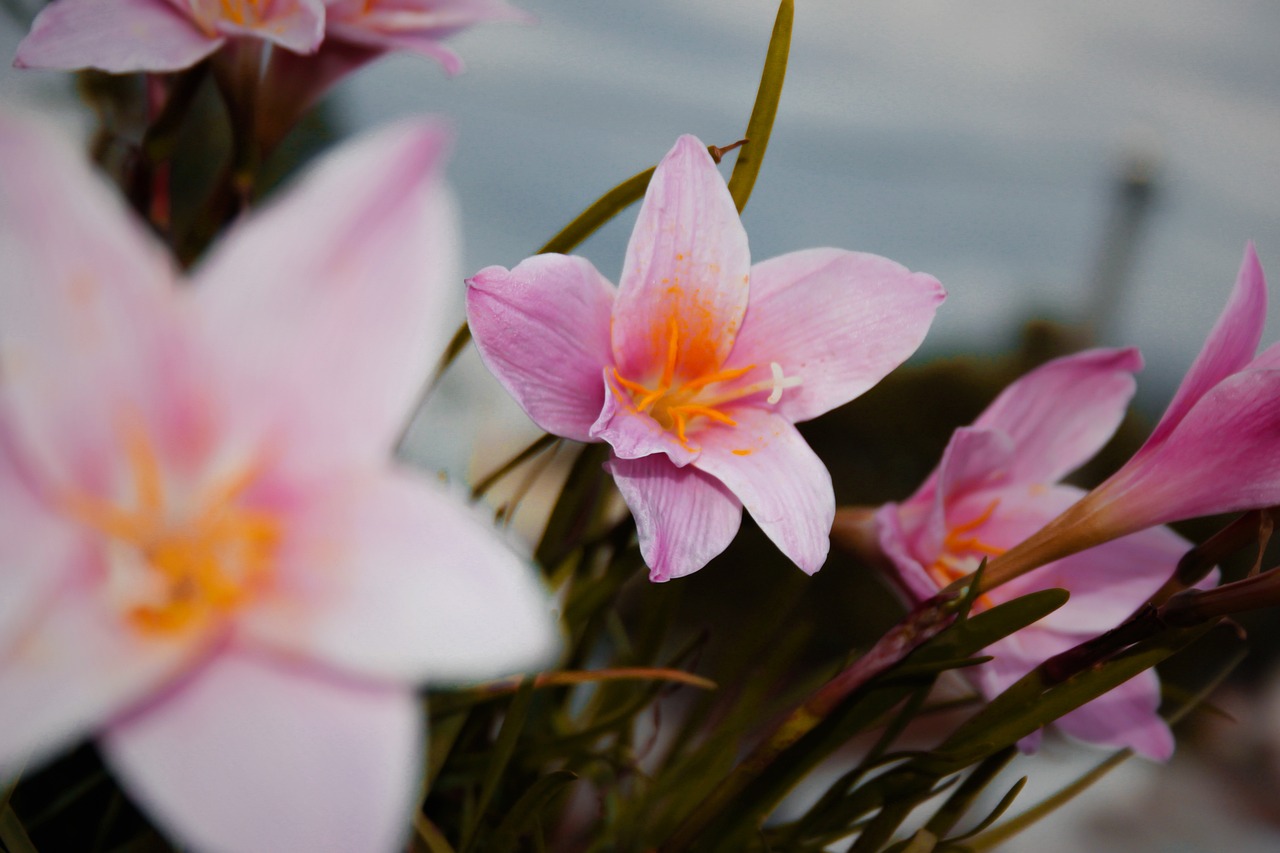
122, 36
997, 483
695, 368
1215, 450
207, 556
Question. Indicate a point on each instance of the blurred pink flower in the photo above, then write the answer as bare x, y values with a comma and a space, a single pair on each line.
417, 26
997, 484
207, 556
357, 32
162, 35
695, 368
1215, 450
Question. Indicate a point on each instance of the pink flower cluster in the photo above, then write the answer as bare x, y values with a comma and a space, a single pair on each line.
169, 35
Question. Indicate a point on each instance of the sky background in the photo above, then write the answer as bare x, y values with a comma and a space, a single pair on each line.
977, 141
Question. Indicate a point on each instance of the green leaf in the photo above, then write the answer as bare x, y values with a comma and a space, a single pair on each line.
950, 812
542, 443
741, 802
503, 748
524, 814
747, 167
13, 835
579, 499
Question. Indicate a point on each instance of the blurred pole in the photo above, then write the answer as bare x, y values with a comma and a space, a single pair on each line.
1134, 192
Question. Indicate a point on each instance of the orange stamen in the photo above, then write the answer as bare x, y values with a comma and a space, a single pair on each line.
209, 562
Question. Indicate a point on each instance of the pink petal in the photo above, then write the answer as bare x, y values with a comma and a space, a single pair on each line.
1220, 458
90, 337
295, 25
1124, 717
783, 484
1230, 345
393, 577
975, 462
1063, 412
910, 576
840, 321
118, 36
75, 664
414, 25
1108, 582
293, 83
253, 753
687, 267
634, 434
354, 263
425, 45
37, 548
543, 330
683, 516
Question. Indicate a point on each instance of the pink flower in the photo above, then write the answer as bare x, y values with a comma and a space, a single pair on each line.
357, 32
207, 556
695, 368
996, 485
1215, 450
162, 35
417, 26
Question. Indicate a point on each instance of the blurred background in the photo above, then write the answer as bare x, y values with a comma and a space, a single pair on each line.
1094, 167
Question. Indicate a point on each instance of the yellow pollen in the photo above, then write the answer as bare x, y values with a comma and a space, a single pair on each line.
189, 570
961, 553
676, 401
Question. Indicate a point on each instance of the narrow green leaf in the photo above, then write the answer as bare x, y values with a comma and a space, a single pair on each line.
524, 814
8, 790
13, 836
738, 802
503, 748
949, 813
1060, 798
443, 732
1001, 807
542, 443
601, 211
579, 499
427, 838
747, 167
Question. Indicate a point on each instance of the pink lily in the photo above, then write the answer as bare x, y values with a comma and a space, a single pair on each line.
207, 556
695, 368
162, 35
359, 31
1213, 451
996, 485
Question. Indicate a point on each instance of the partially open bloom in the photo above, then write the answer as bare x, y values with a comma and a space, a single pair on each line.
695, 368
996, 485
357, 32
1216, 449
207, 556
162, 35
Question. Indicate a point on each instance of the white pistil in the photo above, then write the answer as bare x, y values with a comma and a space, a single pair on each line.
781, 382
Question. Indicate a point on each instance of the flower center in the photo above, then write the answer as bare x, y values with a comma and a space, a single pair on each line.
677, 401
242, 13
175, 574
962, 552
